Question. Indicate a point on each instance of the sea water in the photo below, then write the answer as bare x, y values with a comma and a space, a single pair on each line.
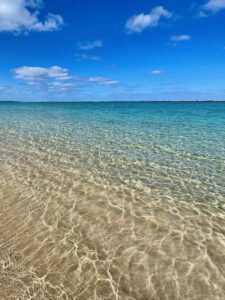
112, 200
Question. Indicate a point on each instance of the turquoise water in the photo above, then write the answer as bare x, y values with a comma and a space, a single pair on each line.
112, 200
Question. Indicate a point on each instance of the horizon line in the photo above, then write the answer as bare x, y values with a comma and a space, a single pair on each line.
109, 101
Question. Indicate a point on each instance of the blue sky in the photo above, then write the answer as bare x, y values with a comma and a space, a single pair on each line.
54, 50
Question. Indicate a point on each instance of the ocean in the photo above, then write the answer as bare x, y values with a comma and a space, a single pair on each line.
113, 201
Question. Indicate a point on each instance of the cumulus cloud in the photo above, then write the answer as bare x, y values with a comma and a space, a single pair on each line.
23, 16
178, 38
139, 22
56, 77
83, 56
38, 73
156, 72
214, 5
89, 46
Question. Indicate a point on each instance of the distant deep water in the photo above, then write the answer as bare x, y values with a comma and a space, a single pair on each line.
113, 201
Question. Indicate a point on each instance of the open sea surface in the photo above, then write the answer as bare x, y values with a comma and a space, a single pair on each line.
112, 201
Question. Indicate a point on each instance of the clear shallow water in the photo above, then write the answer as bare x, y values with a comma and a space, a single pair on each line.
112, 201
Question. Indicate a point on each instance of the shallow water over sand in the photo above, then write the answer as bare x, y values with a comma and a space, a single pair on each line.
112, 201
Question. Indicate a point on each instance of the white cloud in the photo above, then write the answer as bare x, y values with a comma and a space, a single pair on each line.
139, 22
92, 45
38, 73
178, 38
53, 77
52, 85
86, 57
97, 79
62, 85
103, 81
23, 16
156, 72
201, 14
214, 5
109, 82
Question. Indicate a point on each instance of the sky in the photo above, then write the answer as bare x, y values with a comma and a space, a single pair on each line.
73, 50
